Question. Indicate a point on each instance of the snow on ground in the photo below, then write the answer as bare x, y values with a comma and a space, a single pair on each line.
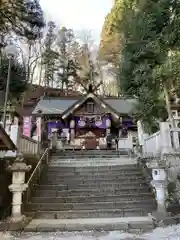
168, 233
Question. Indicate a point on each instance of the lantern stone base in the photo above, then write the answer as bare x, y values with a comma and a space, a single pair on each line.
11, 224
162, 219
17, 219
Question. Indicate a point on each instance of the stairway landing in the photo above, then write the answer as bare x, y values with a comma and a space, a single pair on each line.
93, 224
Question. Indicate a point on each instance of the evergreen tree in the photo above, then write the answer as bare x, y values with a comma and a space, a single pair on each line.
23, 17
149, 29
49, 55
18, 83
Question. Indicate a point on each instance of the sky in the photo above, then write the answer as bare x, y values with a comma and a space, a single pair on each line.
78, 14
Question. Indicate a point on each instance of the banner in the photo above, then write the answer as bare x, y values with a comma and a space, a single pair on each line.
27, 126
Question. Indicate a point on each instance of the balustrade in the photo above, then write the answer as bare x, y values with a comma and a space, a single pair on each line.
28, 145
152, 144
164, 141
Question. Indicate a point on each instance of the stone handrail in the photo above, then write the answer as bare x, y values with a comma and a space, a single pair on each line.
152, 144
28, 145
36, 174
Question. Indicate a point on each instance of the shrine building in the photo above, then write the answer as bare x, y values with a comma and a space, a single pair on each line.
88, 118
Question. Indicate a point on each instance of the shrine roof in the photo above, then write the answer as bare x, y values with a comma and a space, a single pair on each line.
53, 106
124, 106
59, 105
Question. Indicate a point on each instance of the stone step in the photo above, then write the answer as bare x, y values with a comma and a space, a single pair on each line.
93, 161
92, 158
87, 164
98, 185
108, 185
59, 178
69, 174
97, 224
90, 206
92, 169
94, 174
75, 156
74, 214
87, 199
93, 182
89, 192
90, 152
53, 187
98, 213
80, 179
104, 168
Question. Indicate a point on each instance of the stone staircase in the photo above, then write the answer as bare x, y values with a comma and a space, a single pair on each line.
87, 190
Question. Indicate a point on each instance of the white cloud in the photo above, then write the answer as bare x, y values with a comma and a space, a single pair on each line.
77, 14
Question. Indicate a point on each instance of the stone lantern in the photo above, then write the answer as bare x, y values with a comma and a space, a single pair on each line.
159, 182
18, 186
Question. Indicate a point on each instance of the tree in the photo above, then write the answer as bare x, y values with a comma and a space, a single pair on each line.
110, 36
89, 65
149, 31
67, 63
18, 83
49, 55
24, 18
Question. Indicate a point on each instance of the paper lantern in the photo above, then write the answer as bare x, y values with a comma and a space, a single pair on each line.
98, 123
81, 123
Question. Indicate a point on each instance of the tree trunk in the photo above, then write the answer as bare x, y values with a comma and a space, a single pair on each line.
168, 106
28, 63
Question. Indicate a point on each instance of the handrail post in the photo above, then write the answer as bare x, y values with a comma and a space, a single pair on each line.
47, 158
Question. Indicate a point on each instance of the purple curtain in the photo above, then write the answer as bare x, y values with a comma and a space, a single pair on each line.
55, 125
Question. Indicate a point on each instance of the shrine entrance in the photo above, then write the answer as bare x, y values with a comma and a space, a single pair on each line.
90, 137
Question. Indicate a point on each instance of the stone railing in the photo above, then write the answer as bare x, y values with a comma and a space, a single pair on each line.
175, 138
165, 141
27, 145
152, 144
125, 143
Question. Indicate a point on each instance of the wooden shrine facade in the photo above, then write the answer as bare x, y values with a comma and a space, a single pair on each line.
85, 117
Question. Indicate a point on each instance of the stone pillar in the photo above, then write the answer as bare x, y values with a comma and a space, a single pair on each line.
72, 132
140, 133
108, 126
54, 141
166, 145
159, 182
18, 186
176, 134
39, 128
